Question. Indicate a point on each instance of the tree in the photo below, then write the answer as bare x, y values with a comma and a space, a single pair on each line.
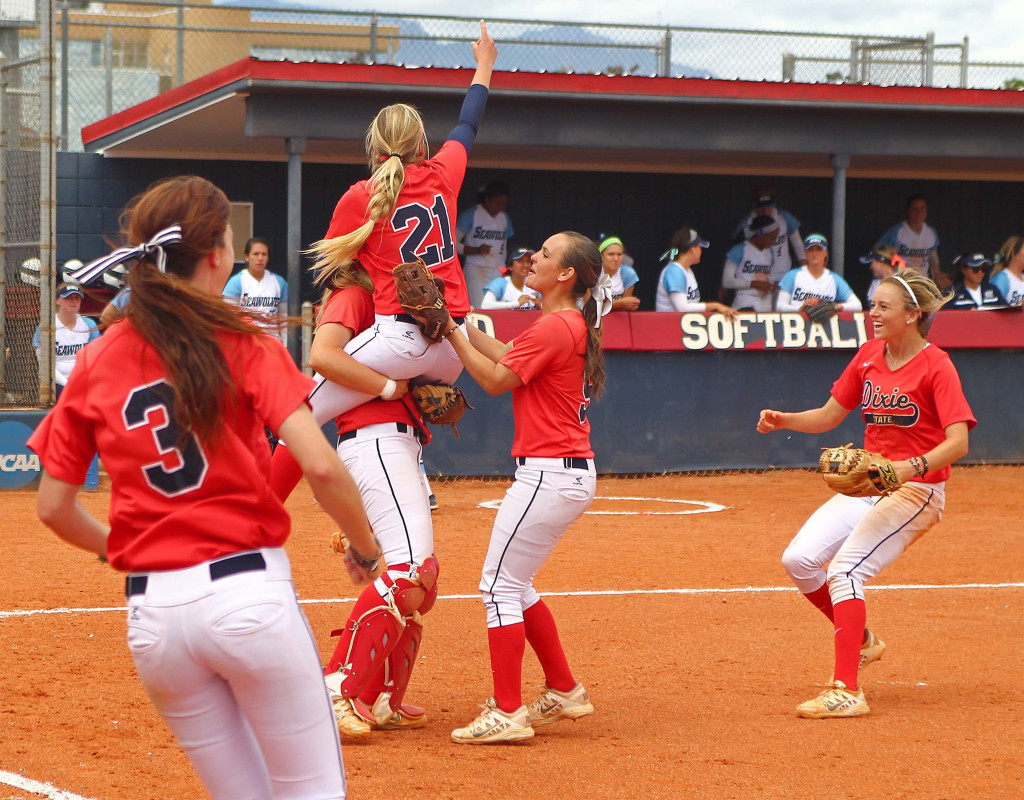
1014, 83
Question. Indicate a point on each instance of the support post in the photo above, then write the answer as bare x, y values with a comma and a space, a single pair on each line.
295, 147
837, 252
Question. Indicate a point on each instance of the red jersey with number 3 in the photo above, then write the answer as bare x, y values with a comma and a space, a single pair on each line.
550, 408
421, 226
906, 411
352, 307
174, 506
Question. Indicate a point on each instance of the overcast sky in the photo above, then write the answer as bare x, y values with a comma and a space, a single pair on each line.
995, 28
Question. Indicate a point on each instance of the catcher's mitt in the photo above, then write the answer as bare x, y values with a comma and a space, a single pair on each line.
823, 311
422, 295
855, 472
440, 403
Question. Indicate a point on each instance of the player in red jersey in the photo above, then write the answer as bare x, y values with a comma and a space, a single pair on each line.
915, 413
380, 442
175, 399
405, 211
552, 369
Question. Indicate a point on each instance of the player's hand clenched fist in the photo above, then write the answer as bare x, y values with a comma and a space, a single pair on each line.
770, 421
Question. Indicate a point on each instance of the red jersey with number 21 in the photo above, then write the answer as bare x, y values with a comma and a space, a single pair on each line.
421, 226
169, 507
550, 408
906, 411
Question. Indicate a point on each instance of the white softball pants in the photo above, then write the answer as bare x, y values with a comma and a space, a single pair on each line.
397, 350
857, 537
232, 667
537, 510
385, 464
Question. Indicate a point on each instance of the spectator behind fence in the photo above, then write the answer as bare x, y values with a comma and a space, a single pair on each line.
884, 262
789, 229
510, 290
916, 241
72, 332
259, 289
750, 267
677, 285
971, 288
483, 232
808, 286
624, 278
1008, 273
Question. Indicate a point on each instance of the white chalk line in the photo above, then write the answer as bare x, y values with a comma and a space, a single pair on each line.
703, 507
895, 587
35, 787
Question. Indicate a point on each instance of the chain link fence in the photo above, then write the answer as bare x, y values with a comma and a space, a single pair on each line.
113, 55
27, 152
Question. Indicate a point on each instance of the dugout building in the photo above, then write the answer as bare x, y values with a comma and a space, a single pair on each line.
632, 156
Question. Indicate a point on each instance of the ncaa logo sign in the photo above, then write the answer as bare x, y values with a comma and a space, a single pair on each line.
19, 466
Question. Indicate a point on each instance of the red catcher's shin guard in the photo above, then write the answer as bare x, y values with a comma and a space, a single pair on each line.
851, 616
371, 634
398, 670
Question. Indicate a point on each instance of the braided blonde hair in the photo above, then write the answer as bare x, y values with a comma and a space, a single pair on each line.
394, 139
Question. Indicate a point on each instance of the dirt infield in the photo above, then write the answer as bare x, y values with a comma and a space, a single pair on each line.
684, 628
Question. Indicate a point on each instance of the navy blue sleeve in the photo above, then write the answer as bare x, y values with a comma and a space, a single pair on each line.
470, 116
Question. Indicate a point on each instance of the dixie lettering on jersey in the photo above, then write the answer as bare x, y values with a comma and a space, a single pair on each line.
888, 408
772, 330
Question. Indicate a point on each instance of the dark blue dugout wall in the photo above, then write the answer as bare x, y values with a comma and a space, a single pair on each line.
644, 209
678, 412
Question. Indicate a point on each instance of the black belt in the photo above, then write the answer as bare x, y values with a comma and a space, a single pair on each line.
401, 427
568, 463
413, 321
232, 565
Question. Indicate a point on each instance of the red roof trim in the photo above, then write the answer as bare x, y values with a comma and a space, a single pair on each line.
635, 86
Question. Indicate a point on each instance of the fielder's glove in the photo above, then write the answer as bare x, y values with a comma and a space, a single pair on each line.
823, 311
422, 295
855, 472
440, 403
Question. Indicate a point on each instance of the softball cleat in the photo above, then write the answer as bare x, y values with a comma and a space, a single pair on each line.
495, 726
835, 702
350, 721
871, 650
552, 705
406, 716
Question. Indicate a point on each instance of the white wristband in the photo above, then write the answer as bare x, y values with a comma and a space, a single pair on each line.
389, 390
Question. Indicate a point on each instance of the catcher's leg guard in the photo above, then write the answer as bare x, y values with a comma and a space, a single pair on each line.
414, 597
374, 634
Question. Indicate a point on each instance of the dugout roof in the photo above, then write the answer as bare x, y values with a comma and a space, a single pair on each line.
250, 109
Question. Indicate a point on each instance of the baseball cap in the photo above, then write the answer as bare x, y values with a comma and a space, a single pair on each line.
69, 289
973, 260
816, 240
763, 224
695, 240
764, 200
892, 259
519, 253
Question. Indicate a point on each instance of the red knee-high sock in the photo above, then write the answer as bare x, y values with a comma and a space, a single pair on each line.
542, 634
851, 616
822, 601
508, 646
285, 472
369, 598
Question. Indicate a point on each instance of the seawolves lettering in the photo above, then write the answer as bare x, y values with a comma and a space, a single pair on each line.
771, 331
261, 302
67, 349
483, 233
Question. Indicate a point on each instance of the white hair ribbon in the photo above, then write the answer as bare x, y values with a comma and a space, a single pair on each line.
909, 290
154, 247
602, 294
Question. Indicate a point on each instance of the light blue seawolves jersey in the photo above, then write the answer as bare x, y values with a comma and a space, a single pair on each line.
1010, 286
675, 280
799, 284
